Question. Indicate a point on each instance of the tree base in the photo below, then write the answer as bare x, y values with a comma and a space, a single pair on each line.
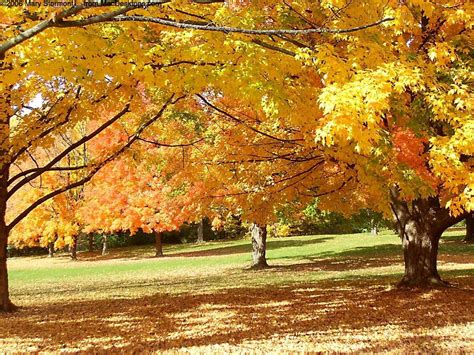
159, 255
9, 308
426, 282
259, 266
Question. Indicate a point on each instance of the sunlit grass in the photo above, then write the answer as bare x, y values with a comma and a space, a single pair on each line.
202, 297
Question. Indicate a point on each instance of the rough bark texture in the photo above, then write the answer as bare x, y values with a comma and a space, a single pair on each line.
50, 250
200, 231
259, 246
158, 245
73, 248
105, 250
469, 238
420, 225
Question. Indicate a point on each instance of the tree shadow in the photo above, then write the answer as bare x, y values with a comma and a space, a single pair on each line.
355, 313
247, 248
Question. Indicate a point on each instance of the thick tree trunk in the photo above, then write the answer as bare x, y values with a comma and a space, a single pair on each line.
200, 231
90, 238
73, 248
469, 238
420, 225
158, 245
50, 249
259, 246
105, 250
420, 251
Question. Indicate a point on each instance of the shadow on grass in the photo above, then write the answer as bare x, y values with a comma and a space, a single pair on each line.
345, 313
247, 248
214, 249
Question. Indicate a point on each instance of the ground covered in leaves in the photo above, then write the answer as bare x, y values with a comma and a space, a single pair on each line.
322, 293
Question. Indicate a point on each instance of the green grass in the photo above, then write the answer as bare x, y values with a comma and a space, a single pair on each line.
322, 293
209, 259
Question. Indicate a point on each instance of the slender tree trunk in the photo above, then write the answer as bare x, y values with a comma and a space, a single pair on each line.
5, 304
90, 238
200, 231
105, 250
73, 248
469, 228
5, 113
158, 245
259, 246
374, 230
50, 249
420, 227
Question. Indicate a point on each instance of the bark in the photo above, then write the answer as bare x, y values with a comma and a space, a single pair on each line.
5, 304
259, 246
105, 249
420, 225
50, 250
420, 251
5, 112
200, 231
73, 248
469, 238
158, 245
91, 242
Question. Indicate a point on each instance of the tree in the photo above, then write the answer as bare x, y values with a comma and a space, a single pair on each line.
71, 90
401, 144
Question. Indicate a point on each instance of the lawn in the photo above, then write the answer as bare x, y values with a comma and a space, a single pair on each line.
322, 293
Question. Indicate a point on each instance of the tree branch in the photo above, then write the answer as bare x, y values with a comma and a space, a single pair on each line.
233, 118
95, 168
66, 151
211, 27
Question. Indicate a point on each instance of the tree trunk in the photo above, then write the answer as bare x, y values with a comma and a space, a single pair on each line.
420, 227
158, 245
73, 248
469, 238
91, 242
374, 230
420, 251
259, 246
200, 231
50, 249
5, 304
5, 113
105, 250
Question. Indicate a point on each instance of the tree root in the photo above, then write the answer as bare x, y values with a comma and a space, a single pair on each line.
429, 282
9, 308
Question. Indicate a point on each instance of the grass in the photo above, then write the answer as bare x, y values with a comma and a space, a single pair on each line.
200, 297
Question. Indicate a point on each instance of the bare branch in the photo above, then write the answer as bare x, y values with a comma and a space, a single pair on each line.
95, 168
233, 118
212, 27
66, 151
159, 144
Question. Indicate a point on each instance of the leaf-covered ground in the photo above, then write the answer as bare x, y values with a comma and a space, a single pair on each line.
322, 293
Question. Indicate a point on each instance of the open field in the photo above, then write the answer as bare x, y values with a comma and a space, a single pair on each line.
322, 293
